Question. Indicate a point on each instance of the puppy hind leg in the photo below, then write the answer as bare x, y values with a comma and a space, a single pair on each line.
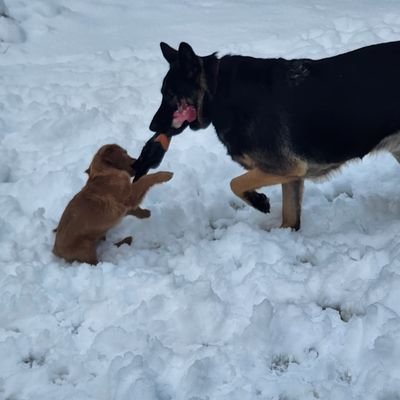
86, 253
292, 196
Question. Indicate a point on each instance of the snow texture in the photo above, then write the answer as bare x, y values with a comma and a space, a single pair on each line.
212, 301
9, 29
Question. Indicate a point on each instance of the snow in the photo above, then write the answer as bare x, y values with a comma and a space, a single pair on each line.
212, 301
9, 28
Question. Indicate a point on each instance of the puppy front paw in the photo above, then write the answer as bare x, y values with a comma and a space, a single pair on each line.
140, 213
164, 176
143, 213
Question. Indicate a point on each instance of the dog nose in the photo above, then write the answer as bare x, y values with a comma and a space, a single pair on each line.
162, 120
154, 126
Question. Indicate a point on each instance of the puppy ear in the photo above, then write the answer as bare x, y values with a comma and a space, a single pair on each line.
170, 54
188, 60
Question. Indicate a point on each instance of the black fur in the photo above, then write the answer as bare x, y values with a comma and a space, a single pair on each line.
150, 157
325, 111
259, 201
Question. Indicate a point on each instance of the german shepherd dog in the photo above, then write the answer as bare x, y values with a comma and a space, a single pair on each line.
284, 120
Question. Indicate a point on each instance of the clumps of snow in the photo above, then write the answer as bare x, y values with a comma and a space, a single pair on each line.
3, 9
210, 301
10, 31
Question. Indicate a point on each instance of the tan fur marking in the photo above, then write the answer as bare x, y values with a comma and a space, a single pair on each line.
390, 143
255, 179
292, 195
288, 207
245, 161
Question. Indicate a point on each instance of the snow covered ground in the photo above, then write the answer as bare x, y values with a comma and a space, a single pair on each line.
211, 301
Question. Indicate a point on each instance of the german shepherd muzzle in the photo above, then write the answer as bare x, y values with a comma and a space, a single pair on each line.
285, 120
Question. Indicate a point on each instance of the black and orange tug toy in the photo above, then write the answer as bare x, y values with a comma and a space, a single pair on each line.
152, 154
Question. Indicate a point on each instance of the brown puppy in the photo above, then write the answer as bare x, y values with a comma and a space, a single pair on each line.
106, 198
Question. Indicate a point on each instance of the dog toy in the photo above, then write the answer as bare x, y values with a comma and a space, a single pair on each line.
151, 155
164, 140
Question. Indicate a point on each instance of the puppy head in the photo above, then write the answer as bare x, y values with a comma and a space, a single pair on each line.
111, 156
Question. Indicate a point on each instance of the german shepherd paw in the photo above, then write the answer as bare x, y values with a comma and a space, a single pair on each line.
259, 201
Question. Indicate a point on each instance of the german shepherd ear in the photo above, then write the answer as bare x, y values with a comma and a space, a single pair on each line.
188, 60
170, 54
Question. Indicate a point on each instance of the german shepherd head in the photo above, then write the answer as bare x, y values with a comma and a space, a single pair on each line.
187, 91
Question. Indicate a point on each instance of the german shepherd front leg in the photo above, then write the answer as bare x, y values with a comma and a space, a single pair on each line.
292, 196
244, 186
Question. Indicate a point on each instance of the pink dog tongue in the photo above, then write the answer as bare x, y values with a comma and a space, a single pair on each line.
182, 114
